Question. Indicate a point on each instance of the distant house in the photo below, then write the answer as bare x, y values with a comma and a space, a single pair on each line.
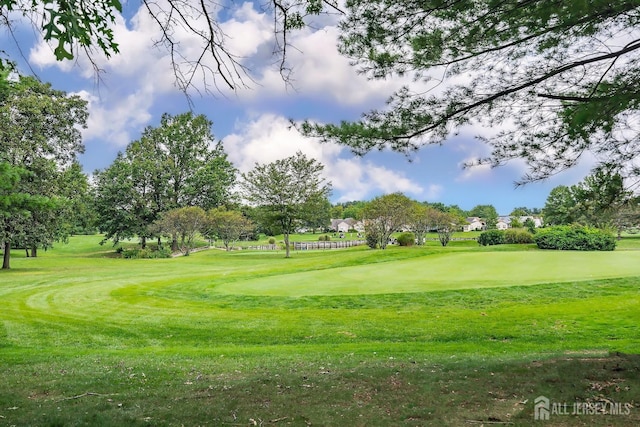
502, 224
474, 224
344, 225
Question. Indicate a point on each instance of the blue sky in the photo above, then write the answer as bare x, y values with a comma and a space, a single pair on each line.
137, 87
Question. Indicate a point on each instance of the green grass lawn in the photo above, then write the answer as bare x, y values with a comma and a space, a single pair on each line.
462, 335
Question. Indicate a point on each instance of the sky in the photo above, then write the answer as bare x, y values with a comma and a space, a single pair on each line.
136, 86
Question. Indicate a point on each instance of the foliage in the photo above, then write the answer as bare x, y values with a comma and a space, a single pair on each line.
491, 237
171, 166
560, 77
228, 226
578, 238
282, 191
530, 225
372, 238
514, 236
406, 239
422, 219
182, 223
272, 241
324, 238
318, 213
446, 224
598, 201
39, 141
384, 215
146, 253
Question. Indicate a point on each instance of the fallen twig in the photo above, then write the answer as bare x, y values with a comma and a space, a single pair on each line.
85, 395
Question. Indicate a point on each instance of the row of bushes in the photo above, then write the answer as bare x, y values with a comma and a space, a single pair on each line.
566, 237
576, 238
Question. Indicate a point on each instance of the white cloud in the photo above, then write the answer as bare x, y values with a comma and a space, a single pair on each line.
267, 138
114, 123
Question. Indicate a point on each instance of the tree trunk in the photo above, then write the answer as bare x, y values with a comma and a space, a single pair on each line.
143, 242
159, 242
286, 244
7, 255
26, 252
34, 251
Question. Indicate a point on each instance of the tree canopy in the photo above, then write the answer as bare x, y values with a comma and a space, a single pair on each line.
600, 200
39, 141
559, 77
174, 165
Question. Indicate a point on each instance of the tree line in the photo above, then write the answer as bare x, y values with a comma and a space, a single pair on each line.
176, 180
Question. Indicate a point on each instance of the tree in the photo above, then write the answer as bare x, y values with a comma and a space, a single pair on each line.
600, 196
78, 25
318, 213
39, 140
125, 201
173, 165
423, 219
559, 208
228, 226
597, 201
559, 77
282, 189
185, 223
384, 215
446, 224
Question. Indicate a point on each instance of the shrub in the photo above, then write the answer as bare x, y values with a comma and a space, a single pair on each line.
147, 253
324, 238
574, 237
372, 239
491, 237
406, 239
272, 240
518, 236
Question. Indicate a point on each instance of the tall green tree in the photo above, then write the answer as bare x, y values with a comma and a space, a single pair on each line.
176, 164
560, 75
384, 215
282, 190
318, 216
39, 137
600, 200
560, 206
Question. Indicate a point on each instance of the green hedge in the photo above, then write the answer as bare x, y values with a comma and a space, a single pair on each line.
491, 237
576, 238
518, 236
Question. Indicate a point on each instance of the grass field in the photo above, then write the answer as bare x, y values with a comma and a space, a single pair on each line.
462, 335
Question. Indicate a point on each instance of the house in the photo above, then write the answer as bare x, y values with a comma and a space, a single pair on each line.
474, 224
344, 225
502, 224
